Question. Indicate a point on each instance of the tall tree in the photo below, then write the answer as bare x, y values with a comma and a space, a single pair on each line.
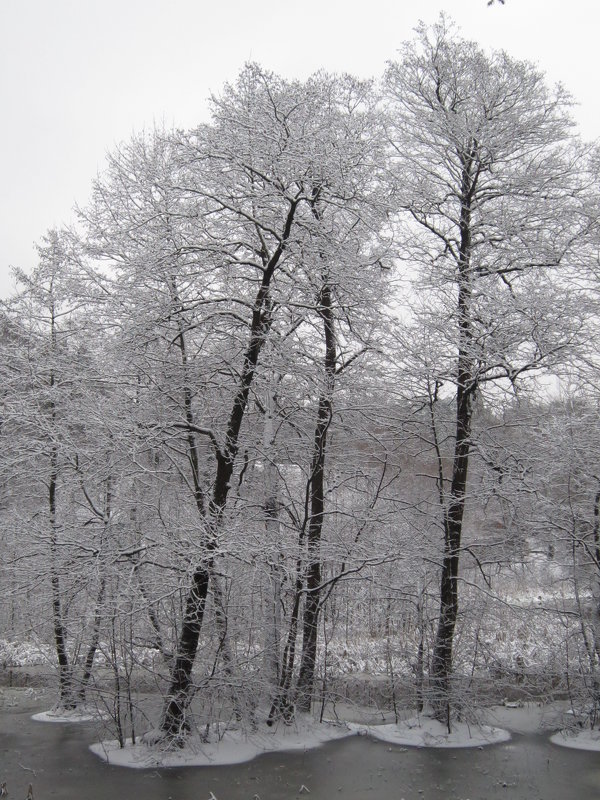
487, 184
212, 235
48, 413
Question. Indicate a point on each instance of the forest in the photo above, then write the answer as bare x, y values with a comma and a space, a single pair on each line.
309, 393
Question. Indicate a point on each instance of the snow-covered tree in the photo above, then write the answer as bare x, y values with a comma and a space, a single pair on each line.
488, 177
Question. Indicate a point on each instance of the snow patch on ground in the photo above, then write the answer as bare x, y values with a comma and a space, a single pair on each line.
82, 714
427, 732
525, 717
578, 740
234, 746
227, 747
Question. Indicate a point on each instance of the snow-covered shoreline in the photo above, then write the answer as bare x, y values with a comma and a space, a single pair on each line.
233, 746
496, 724
80, 714
222, 747
578, 740
427, 732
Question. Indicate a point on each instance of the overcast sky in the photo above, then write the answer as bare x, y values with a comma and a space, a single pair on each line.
79, 76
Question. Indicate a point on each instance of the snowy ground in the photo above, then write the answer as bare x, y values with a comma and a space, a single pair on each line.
230, 747
578, 740
223, 747
235, 746
82, 714
427, 732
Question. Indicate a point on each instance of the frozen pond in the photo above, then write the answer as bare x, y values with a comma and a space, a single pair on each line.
527, 768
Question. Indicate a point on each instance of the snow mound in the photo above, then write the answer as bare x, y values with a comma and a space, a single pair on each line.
223, 747
81, 714
427, 732
578, 740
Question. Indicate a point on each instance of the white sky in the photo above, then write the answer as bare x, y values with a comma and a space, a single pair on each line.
79, 76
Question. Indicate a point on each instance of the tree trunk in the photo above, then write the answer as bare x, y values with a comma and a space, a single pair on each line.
282, 705
466, 384
91, 653
173, 720
65, 673
65, 679
312, 604
272, 610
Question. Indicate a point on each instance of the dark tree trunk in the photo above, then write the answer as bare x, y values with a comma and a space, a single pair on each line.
272, 615
466, 385
441, 667
312, 604
91, 653
65, 673
173, 719
282, 705
67, 700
